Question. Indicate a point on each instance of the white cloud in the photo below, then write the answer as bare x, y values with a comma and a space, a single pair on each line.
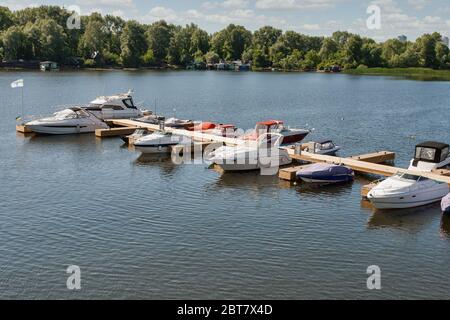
108, 3
295, 4
419, 4
229, 4
247, 17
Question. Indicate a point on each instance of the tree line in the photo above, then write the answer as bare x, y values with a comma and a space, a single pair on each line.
41, 33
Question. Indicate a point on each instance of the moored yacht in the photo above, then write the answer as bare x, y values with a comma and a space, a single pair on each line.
408, 190
67, 121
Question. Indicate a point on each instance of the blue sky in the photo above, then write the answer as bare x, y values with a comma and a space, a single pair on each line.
314, 17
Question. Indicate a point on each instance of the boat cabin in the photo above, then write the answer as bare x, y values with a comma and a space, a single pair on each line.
116, 106
324, 145
431, 151
430, 155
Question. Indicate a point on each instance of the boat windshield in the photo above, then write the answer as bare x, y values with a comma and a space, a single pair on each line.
326, 146
70, 114
407, 176
425, 153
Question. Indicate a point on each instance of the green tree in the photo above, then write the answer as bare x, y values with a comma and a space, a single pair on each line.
158, 38
133, 44
6, 18
15, 44
94, 39
260, 59
266, 37
212, 57
52, 40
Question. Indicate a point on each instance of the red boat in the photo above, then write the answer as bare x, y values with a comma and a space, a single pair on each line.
291, 136
225, 130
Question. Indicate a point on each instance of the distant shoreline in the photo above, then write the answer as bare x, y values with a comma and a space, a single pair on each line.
412, 73
415, 73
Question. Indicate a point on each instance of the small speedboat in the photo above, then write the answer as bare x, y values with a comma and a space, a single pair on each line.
67, 121
404, 190
325, 173
264, 154
138, 133
160, 142
290, 135
325, 147
178, 123
151, 119
445, 204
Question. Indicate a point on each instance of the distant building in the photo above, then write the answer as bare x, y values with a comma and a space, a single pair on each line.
48, 66
402, 38
445, 40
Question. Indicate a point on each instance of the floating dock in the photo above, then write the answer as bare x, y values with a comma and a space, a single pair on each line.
369, 158
362, 166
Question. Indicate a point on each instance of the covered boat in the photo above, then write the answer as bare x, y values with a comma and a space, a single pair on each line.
445, 204
325, 173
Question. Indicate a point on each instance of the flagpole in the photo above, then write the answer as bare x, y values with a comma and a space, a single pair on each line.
22, 105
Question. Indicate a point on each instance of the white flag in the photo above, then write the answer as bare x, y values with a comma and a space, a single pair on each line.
17, 84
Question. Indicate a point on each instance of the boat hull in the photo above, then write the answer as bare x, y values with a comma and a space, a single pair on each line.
326, 179
231, 165
445, 204
410, 200
62, 130
154, 149
294, 138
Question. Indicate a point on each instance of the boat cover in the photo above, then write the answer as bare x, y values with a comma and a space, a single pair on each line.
325, 169
445, 204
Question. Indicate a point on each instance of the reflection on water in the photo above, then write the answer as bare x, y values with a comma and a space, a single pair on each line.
412, 219
143, 227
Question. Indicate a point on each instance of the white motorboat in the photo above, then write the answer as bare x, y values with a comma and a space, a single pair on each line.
138, 133
264, 154
119, 106
325, 147
406, 190
290, 135
178, 123
218, 129
67, 121
160, 142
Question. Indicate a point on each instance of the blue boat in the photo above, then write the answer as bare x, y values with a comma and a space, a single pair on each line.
325, 173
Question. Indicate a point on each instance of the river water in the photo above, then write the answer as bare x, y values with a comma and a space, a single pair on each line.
147, 229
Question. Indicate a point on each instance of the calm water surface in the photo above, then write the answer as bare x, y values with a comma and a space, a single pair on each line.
146, 228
